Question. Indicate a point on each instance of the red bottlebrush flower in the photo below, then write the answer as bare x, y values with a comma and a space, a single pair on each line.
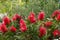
22, 23
23, 27
4, 28
31, 17
48, 23
58, 17
13, 29
42, 31
6, 20
41, 15
0, 28
16, 16
55, 13
56, 33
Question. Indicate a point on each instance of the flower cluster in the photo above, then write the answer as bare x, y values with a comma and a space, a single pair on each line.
47, 25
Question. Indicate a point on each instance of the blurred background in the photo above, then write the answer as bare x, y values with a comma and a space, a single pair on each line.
23, 7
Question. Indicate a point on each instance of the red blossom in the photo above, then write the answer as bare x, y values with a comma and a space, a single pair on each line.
23, 26
4, 28
13, 29
56, 33
0, 28
42, 31
23, 29
58, 17
48, 23
16, 17
55, 13
6, 20
41, 15
31, 17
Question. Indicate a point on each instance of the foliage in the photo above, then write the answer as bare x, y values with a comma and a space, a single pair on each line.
23, 7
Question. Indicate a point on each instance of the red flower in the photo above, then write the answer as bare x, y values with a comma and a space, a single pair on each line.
31, 17
56, 33
23, 27
55, 13
13, 29
6, 20
42, 31
41, 15
0, 27
4, 28
48, 23
58, 18
16, 16
22, 23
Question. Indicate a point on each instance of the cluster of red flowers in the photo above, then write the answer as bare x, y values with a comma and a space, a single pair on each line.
32, 19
